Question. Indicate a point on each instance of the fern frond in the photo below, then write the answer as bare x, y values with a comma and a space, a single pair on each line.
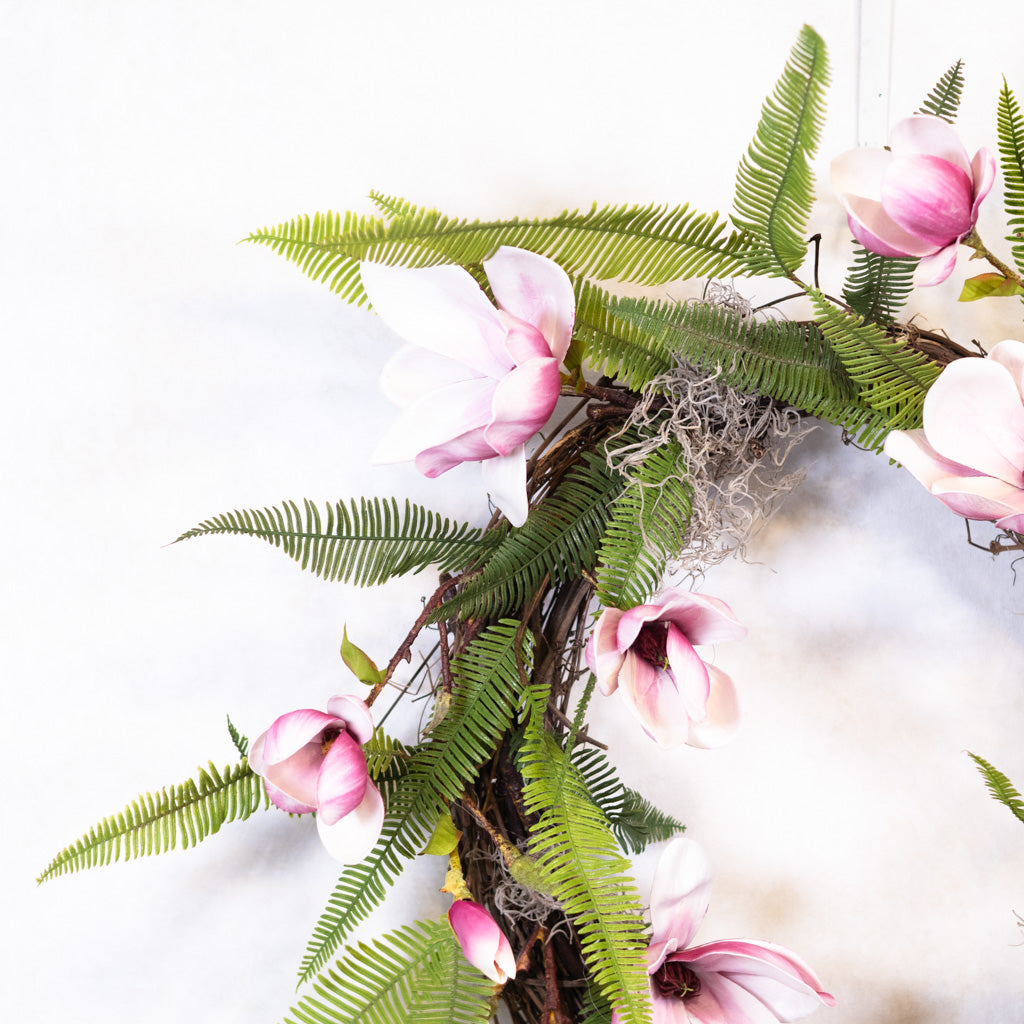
484, 699
1000, 786
635, 822
1010, 127
775, 183
944, 100
877, 287
366, 542
646, 529
241, 742
641, 244
893, 379
582, 866
559, 539
156, 823
386, 757
412, 975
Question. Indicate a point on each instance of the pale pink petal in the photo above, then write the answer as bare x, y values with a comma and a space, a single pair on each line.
878, 232
483, 943
342, 781
523, 402
292, 731
680, 893
436, 418
633, 620
983, 171
722, 718
973, 415
354, 713
1013, 522
911, 449
524, 341
979, 497
441, 308
934, 269
1009, 355
703, 619
413, 370
354, 836
859, 172
537, 290
296, 776
280, 799
721, 1001
604, 657
469, 447
925, 134
651, 695
689, 673
928, 197
505, 481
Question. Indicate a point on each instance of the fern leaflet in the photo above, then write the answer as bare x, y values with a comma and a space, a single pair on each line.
155, 823
1010, 126
775, 183
366, 543
944, 100
877, 287
1000, 786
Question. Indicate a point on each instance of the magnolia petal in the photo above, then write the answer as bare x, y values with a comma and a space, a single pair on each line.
911, 449
1013, 522
537, 290
633, 620
703, 619
469, 447
928, 197
524, 341
934, 269
1009, 355
436, 418
604, 658
354, 836
973, 415
720, 1001
722, 718
343, 780
983, 171
280, 799
505, 481
523, 402
689, 673
979, 497
879, 233
651, 695
292, 731
927, 135
859, 172
483, 943
296, 777
353, 711
413, 371
440, 308
680, 893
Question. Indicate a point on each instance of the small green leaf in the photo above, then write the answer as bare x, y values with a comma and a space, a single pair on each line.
989, 286
444, 838
359, 662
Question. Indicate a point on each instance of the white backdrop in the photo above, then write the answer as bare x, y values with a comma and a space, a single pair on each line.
157, 374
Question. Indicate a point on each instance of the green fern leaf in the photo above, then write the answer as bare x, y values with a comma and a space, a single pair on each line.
877, 287
647, 528
775, 183
893, 379
486, 693
642, 244
366, 543
1000, 786
559, 540
156, 823
579, 859
412, 975
241, 742
944, 100
1010, 126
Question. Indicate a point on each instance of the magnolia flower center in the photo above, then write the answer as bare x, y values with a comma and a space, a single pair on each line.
675, 980
327, 738
652, 643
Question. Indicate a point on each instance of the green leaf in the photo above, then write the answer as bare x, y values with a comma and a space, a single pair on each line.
157, 822
412, 975
1010, 127
986, 286
642, 244
366, 543
444, 838
359, 662
877, 287
241, 742
775, 183
944, 100
1000, 786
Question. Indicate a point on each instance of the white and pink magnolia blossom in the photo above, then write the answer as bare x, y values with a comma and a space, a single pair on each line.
483, 943
970, 454
919, 197
647, 654
478, 381
738, 981
312, 761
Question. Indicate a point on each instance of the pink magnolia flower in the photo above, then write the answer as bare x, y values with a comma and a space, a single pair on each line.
970, 454
918, 198
478, 381
483, 943
734, 980
311, 761
647, 654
